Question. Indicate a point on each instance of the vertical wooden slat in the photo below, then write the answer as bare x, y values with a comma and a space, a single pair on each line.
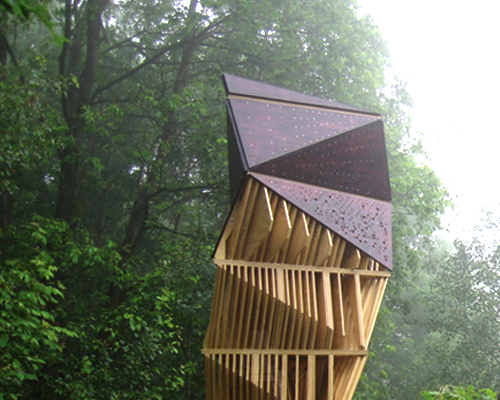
251, 308
287, 311
243, 310
276, 360
298, 239
241, 377
281, 309
217, 376
259, 291
308, 318
227, 376
273, 301
375, 308
302, 257
358, 311
339, 305
300, 310
242, 206
259, 225
343, 370
365, 262
325, 248
248, 377
311, 377
280, 233
236, 241
209, 378
284, 377
233, 389
352, 257
212, 326
254, 376
297, 377
310, 254
226, 312
262, 382
291, 334
337, 262
314, 310
237, 310
336, 240
329, 317
353, 377
283, 254
331, 378
270, 376
264, 313
220, 314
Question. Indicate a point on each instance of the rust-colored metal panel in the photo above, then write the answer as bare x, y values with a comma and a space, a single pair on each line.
364, 222
268, 130
236, 85
237, 161
354, 162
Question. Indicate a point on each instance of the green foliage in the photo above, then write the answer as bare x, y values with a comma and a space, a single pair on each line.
118, 139
25, 9
32, 332
462, 304
30, 337
457, 392
31, 131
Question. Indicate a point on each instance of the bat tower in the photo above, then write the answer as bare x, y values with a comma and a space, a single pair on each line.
305, 254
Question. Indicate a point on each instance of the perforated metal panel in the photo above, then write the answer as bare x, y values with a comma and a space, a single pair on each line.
364, 222
354, 162
246, 87
269, 130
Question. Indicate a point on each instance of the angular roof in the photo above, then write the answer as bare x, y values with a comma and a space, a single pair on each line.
327, 158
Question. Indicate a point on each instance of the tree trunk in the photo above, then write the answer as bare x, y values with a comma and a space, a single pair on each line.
73, 103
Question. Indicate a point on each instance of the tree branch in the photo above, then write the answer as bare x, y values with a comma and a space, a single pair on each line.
5, 44
164, 228
183, 189
167, 48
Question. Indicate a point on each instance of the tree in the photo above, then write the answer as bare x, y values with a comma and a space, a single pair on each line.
463, 312
118, 139
462, 393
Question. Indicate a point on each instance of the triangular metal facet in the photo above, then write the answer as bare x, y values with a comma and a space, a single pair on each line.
353, 162
364, 222
236, 85
268, 130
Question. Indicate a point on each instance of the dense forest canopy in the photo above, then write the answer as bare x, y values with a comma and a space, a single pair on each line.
114, 187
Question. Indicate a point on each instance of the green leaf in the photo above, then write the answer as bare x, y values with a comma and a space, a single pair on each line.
4, 339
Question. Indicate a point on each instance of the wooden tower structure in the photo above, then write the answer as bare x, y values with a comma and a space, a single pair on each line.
305, 255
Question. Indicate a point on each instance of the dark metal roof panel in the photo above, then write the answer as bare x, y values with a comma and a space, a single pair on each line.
268, 130
364, 222
353, 162
246, 87
237, 162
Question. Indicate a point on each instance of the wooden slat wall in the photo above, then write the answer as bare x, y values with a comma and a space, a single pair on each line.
294, 306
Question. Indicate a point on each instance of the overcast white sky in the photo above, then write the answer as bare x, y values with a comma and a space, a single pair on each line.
449, 53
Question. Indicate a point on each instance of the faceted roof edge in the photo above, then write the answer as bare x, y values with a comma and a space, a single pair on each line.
236, 85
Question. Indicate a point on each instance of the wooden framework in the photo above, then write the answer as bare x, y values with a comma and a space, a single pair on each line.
294, 305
